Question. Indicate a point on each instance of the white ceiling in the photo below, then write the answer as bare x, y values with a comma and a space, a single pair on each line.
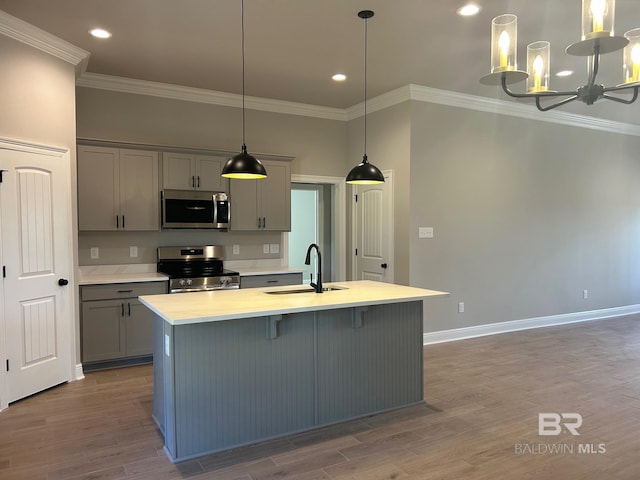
294, 46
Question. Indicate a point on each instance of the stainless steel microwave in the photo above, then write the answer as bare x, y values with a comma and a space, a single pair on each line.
194, 209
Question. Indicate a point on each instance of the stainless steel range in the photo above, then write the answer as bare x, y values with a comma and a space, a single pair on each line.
196, 269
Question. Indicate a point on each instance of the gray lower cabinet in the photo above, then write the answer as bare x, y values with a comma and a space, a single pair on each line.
273, 280
114, 324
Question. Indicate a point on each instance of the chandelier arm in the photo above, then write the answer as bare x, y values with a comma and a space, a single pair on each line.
626, 101
619, 88
554, 105
595, 65
532, 95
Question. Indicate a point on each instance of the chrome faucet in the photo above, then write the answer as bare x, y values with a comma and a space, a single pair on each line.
307, 261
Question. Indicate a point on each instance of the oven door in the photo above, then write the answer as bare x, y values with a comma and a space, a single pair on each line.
187, 209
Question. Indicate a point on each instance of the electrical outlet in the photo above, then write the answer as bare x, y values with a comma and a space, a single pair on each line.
95, 253
274, 248
236, 249
585, 294
265, 248
133, 251
460, 307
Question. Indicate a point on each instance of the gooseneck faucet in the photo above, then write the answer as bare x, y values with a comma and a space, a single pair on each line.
307, 261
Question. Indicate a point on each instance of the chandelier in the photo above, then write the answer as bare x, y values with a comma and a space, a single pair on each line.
597, 39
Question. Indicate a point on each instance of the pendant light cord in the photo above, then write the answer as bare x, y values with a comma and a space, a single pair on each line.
243, 119
366, 21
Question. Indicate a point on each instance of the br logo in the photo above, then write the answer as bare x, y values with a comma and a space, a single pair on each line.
552, 423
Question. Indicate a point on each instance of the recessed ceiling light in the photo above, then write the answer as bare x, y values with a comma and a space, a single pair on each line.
100, 33
564, 73
468, 10
339, 77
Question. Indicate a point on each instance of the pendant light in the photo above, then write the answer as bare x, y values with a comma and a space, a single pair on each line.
365, 173
243, 165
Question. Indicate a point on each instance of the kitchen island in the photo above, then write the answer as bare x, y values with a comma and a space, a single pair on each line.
235, 367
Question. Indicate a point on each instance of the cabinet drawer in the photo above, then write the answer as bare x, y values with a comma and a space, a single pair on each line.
121, 290
253, 281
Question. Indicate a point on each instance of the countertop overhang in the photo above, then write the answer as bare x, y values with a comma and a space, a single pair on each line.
220, 305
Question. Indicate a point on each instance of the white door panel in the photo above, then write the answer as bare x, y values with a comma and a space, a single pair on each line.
374, 231
36, 253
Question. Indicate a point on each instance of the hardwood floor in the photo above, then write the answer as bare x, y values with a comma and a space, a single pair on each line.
480, 421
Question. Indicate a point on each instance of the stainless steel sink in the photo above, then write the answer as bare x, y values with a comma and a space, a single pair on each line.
305, 290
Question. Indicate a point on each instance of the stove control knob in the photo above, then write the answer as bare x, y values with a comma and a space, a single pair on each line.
189, 281
225, 281
182, 282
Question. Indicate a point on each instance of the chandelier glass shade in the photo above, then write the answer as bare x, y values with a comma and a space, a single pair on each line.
597, 39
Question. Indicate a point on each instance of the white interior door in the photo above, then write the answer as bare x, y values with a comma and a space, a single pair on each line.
374, 231
35, 211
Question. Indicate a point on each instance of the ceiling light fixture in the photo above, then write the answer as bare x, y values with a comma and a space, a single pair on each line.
243, 166
597, 39
339, 77
468, 10
365, 173
100, 33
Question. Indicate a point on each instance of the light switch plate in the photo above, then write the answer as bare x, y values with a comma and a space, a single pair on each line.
133, 251
95, 253
265, 248
236, 249
274, 248
425, 232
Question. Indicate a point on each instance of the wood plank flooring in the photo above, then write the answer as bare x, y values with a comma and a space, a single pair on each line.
479, 422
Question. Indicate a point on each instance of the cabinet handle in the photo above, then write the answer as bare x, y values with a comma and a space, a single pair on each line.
193, 181
264, 222
272, 281
198, 181
259, 220
123, 222
129, 308
122, 309
117, 222
125, 291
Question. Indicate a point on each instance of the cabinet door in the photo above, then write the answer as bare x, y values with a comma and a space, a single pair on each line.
139, 329
139, 190
275, 197
178, 171
98, 188
208, 170
243, 198
103, 330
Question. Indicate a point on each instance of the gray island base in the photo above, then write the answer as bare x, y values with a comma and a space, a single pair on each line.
220, 384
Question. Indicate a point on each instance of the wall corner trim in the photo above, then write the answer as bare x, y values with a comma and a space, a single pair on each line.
28, 34
79, 373
455, 334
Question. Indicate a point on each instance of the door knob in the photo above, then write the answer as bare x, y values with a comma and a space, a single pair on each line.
384, 265
63, 281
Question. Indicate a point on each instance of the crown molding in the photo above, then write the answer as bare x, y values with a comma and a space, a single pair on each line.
28, 34
199, 95
503, 107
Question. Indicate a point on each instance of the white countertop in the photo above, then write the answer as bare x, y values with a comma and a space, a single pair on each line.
102, 274
202, 307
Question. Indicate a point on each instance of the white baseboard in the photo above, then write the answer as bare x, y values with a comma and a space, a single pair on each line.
526, 324
79, 372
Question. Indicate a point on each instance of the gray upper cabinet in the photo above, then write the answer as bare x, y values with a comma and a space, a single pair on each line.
117, 189
265, 204
183, 171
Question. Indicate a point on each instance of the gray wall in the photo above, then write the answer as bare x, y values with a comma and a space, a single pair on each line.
389, 148
526, 215
37, 95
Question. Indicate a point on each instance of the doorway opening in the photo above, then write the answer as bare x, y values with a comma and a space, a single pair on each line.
318, 212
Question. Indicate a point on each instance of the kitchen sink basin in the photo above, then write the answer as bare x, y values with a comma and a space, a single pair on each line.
305, 290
